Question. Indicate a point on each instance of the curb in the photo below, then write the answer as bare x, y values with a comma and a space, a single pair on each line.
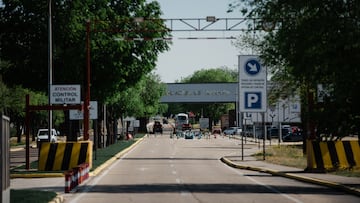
38, 175
351, 190
114, 158
58, 199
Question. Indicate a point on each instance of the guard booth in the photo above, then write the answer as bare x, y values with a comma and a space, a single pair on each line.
5, 159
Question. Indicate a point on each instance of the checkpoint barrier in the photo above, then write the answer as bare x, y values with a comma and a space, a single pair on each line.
76, 176
332, 155
64, 155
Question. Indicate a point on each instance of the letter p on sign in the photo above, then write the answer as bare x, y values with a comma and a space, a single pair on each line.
252, 100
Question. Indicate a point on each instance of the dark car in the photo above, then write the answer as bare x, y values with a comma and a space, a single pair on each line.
157, 128
274, 133
293, 137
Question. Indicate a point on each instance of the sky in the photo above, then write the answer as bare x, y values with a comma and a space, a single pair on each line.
187, 56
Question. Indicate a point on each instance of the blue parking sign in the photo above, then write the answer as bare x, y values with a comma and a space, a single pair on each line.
252, 84
252, 100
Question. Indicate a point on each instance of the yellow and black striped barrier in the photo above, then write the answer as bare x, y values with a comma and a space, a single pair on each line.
333, 155
64, 155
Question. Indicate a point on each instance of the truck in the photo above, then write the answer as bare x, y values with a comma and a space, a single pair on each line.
182, 122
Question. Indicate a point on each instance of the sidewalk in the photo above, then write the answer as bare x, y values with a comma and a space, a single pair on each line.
347, 184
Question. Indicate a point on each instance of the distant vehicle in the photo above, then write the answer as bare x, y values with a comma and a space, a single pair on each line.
293, 137
232, 131
189, 134
216, 131
157, 127
274, 133
43, 135
182, 122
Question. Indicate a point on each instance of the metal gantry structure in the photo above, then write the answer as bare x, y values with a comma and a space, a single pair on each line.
210, 23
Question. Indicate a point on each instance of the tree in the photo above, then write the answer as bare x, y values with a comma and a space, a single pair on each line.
115, 65
141, 101
13, 105
315, 42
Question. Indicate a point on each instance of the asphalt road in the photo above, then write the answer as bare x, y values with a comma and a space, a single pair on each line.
161, 169
17, 157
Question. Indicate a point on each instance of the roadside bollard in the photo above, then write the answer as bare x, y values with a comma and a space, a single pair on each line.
68, 181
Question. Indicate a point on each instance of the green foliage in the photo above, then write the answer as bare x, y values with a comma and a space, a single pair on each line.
223, 74
142, 100
314, 42
19, 196
115, 65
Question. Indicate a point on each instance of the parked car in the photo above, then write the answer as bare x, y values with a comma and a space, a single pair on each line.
274, 133
43, 135
295, 135
157, 128
232, 131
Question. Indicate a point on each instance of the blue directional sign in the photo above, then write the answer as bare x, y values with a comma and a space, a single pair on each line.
252, 67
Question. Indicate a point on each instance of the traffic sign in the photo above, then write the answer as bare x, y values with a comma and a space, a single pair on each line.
253, 100
65, 94
79, 115
252, 67
252, 84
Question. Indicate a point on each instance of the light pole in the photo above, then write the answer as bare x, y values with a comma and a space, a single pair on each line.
50, 68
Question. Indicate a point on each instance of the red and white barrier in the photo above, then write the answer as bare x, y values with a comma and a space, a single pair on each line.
76, 176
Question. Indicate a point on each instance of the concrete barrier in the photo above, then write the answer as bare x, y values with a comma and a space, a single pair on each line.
64, 155
333, 155
76, 176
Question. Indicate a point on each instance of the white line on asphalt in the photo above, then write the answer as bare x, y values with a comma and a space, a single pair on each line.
268, 187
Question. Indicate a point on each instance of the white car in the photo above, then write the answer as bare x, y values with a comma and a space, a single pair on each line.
43, 135
232, 131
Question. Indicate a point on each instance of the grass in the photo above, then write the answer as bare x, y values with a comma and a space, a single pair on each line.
22, 196
284, 155
292, 155
102, 155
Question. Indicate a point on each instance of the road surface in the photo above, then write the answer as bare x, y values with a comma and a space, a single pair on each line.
161, 169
